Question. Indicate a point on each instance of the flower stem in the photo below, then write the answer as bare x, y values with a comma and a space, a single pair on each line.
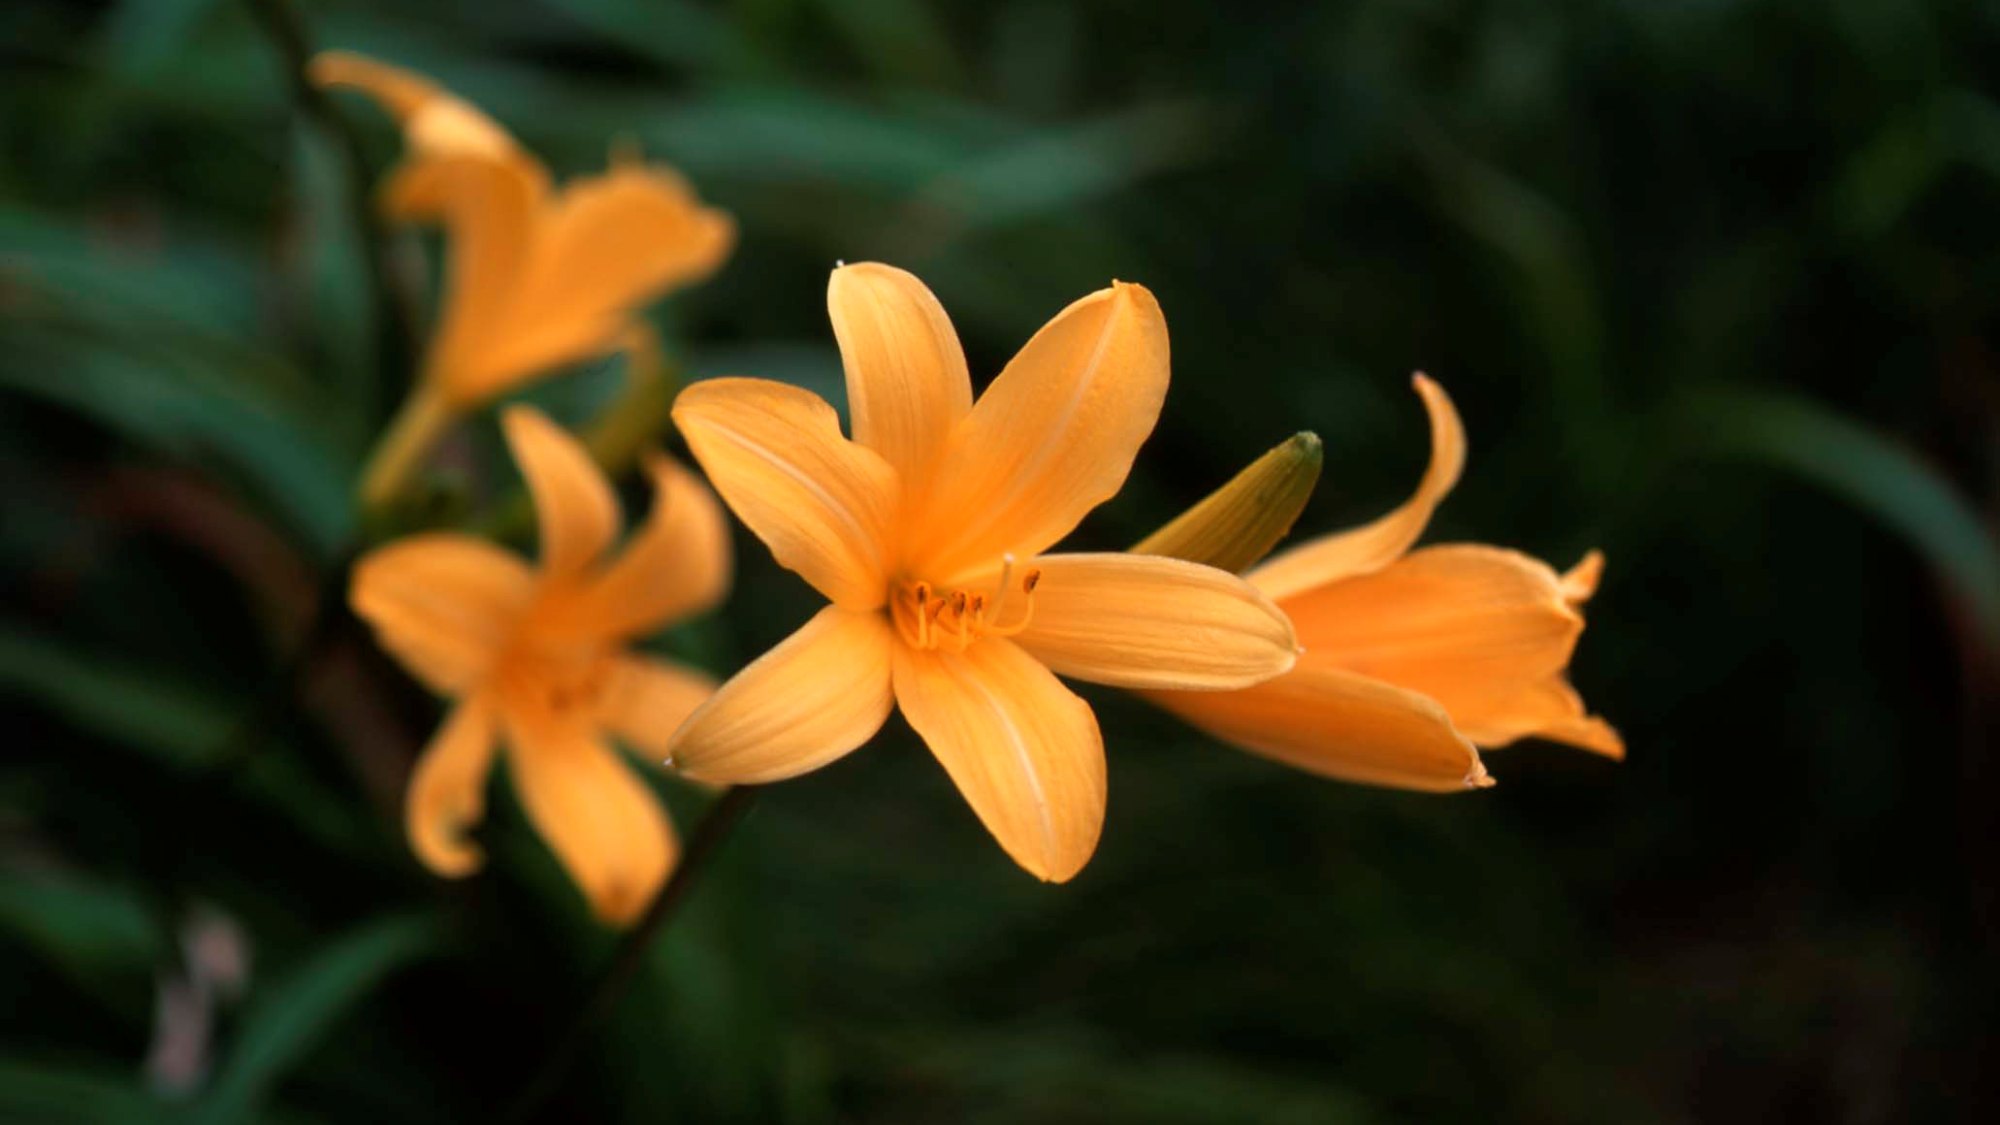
394, 320
630, 955
403, 447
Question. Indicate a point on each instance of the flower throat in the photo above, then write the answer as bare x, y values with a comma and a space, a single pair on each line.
951, 619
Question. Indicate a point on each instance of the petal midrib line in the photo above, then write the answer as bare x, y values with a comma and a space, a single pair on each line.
871, 540
1019, 746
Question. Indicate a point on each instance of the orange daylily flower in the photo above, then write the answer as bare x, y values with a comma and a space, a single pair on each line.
536, 277
536, 659
927, 532
1413, 659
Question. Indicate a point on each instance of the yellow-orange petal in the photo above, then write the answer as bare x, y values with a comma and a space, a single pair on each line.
906, 380
448, 790
676, 564
442, 604
603, 824
822, 692
1023, 749
489, 209
1331, 722
823, 504
603, 248
1485, 632
574, 504
1052, 438
1138, 621
646, 699
434, 120
1375, 545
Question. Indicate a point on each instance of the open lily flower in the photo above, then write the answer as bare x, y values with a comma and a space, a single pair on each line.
927, 532
536, 660
1413, 659
537, 277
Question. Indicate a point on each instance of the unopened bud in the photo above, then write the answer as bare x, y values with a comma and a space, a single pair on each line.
1239, 523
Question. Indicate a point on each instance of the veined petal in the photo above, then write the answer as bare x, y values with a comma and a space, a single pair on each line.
442, 604
823, 504
1138, 621
906, 380
1023, 749
1485, 632
1331, 722
574, 504
1052, 438
448, 790
1375, 545
604, 247
605, 826
676, 564
489, 209
647, 698
820, 693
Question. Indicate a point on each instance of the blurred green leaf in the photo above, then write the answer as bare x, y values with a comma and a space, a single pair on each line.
1867, 470
68, 1094
288, 1017
131, 705
1056, 170
97, 934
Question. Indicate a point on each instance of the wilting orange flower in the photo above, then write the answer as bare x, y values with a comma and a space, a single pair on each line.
1412, 660
536, 277
926, 532
537, 661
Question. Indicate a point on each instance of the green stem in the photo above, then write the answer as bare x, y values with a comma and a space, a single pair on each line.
395, 324
630, 956
401, 450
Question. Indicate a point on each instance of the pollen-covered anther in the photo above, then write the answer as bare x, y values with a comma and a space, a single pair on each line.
953, 619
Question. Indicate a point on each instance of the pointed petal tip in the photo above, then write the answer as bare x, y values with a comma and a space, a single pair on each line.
1579, 583
1477, 777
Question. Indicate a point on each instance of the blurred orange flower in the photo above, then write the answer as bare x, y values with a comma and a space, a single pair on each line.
926, 532
537, 277
536, 659
1412, 660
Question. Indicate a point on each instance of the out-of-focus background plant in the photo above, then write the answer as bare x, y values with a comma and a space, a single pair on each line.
1716, 286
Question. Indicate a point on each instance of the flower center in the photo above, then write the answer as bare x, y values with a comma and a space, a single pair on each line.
931, 617
563, 677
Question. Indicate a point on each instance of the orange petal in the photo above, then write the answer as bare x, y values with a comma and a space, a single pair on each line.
822, 692
602, 822
676, 564
1486, 632
1143, 622
647, 698
1053, 437
823, 504
434, 121
448, 790
1375, 545
489, 209
573, 502
906, 380
1332, 722
1024, 750
605, 247
442, 604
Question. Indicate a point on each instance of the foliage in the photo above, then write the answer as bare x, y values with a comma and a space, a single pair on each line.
1716, 286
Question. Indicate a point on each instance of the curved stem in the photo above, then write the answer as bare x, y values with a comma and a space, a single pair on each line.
402, 448
395, 328
630, 955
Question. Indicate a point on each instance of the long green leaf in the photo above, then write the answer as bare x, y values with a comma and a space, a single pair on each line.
1869, 471
295, 1013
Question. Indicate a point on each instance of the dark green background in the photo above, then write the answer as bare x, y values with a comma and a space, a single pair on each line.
1716, 286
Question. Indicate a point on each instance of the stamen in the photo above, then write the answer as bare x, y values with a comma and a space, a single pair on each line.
953, 619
